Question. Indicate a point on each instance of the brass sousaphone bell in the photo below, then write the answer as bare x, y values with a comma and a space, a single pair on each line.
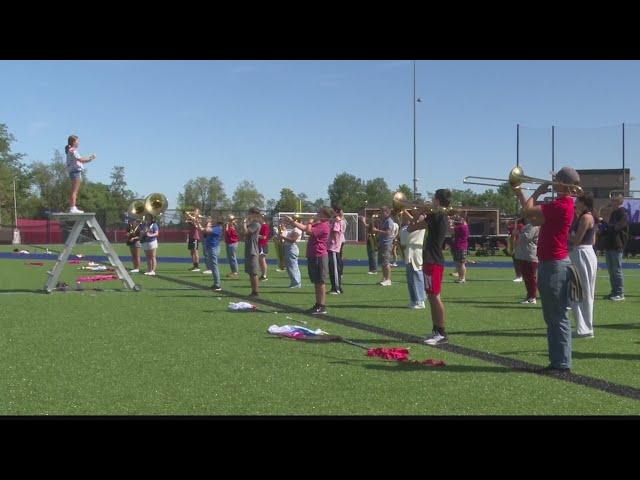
155, 204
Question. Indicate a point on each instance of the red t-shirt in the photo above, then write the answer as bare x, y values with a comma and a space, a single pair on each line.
317, 246
231, 235
553, 240
264, 231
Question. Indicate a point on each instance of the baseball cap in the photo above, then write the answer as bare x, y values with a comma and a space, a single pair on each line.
568, 175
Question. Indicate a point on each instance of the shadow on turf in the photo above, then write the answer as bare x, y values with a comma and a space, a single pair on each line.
502, 333
620, 326
22, 290
609, 356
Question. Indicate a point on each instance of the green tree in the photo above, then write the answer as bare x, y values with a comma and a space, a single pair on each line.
11, 167
349, 191
207, 194
378, 192
288, 201
246, 196
406, 189
121, 195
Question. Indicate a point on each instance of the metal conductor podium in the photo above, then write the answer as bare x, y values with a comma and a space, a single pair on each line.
79, 220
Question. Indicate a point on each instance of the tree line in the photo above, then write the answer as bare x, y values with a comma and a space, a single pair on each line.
44, 187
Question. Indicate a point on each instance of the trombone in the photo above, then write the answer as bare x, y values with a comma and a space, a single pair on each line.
401, 203
517, 178
622, 193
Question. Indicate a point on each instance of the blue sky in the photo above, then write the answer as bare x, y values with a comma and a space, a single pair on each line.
299, 123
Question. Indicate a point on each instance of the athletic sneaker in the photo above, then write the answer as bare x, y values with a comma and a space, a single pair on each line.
151, 274
372, 273
295, 286
334, 292
617, 298
517, 279
75, 210
312, 309
436, 339
135, 270
531, 301
419, 306
460, 280
454, 274
232, 274
194, 269
582, 335
278, 270
263, 278
385, 283
321, 310
207, 272
394, 264
216, 288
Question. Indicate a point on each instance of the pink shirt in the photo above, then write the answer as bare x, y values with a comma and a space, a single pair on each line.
336, 237
461, 237
317, 246
553, 240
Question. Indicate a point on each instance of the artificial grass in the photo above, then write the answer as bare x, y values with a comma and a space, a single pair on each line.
171, 349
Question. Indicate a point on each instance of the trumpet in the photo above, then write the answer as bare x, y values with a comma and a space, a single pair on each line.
517, 178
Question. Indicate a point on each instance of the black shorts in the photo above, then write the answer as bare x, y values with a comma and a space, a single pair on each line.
193, 244
459, 256
318, 269
252, 265
263, 250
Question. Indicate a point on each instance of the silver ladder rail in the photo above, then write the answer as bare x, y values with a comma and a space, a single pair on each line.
80, 220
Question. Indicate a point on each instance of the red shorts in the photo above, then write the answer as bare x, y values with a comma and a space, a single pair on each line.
433, 274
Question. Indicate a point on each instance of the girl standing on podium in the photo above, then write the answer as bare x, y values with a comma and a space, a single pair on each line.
75, 167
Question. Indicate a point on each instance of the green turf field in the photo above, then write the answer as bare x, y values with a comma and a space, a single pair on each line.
174, 349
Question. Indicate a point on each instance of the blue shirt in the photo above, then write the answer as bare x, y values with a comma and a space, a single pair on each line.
212, 240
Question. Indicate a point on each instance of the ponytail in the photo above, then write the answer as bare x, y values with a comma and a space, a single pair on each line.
70, 141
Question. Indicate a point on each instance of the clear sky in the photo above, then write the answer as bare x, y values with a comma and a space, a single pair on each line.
299, 123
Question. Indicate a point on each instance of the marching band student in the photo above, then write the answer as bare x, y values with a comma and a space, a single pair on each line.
341, 257
616, 235
133, 242
317, 257
385, 240
279, 244
252, 225
263, 244
412, 243
149, 241
193, 239
213, 235
583, 257
231, 241
437, 225
291, 253
371, 246
395, 243
554, 219
514, 231
525, 253
75, 167
336, 239
459, 247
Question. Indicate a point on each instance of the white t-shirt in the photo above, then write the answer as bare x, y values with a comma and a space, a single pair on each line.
394, 232
292, 231
73, 162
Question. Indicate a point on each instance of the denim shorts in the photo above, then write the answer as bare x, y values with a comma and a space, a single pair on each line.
75, 174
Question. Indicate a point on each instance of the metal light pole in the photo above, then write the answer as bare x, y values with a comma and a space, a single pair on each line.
415, 100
